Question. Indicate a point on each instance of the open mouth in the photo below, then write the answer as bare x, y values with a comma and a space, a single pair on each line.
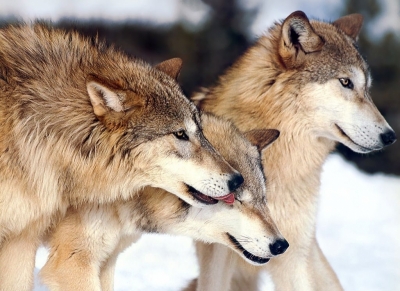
348, 138
201, 197
247, 254
229, 199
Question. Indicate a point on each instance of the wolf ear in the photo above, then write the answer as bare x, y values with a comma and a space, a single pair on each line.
350, 24
104, 97
262, 138
298, 38
171, 67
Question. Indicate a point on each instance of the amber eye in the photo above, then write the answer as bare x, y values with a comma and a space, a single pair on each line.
347, 83
181, 134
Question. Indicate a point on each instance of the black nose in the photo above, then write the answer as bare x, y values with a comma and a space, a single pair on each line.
278, 247
388, 137
235, 182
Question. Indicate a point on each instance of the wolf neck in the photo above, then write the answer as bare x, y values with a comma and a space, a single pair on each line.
257, 93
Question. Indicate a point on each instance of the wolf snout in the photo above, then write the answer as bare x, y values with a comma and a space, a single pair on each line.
278, 247
235, 181
388, 137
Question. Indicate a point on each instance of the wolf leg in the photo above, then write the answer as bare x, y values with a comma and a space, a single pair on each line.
107, 270
324, 276
70, 268
291, 275
17, 262
72, 274
303, 269
223, 270
74, 259
240, 276
310, 272
216, 267
246, 278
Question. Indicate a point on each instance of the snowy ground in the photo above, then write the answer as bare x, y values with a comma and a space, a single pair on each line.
358, 229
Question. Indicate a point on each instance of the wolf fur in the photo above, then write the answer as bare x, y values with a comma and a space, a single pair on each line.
308, 80
82, 122
86, 244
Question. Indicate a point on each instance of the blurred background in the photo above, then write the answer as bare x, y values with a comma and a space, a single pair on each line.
210, 34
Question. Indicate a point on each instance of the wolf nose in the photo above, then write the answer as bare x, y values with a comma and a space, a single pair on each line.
278, 247
388, 137
235, 182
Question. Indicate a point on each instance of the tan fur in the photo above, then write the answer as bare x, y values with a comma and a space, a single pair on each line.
293, 79
82, 122
85, 245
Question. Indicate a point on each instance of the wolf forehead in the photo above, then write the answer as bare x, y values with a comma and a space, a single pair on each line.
339, 53
168, 116
154, 98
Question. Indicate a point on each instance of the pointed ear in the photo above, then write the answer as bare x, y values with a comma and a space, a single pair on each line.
262, 138
298, 38
171, 67
350, 24
104, 97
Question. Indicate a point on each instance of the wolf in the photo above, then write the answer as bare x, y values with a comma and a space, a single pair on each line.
85, 245
82, 122
308, 80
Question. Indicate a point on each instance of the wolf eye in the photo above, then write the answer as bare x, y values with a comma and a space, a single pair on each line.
181, 134
347, 83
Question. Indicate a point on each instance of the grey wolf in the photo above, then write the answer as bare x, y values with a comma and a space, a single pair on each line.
308, 80
85, 245
82, 122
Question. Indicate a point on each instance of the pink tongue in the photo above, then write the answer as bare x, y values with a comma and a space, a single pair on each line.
228, 199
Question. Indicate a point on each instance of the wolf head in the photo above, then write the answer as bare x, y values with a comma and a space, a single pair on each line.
244, 225
156, 124
308, 78
335, 80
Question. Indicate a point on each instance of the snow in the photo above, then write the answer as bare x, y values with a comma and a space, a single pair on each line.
358, 230
359, 227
